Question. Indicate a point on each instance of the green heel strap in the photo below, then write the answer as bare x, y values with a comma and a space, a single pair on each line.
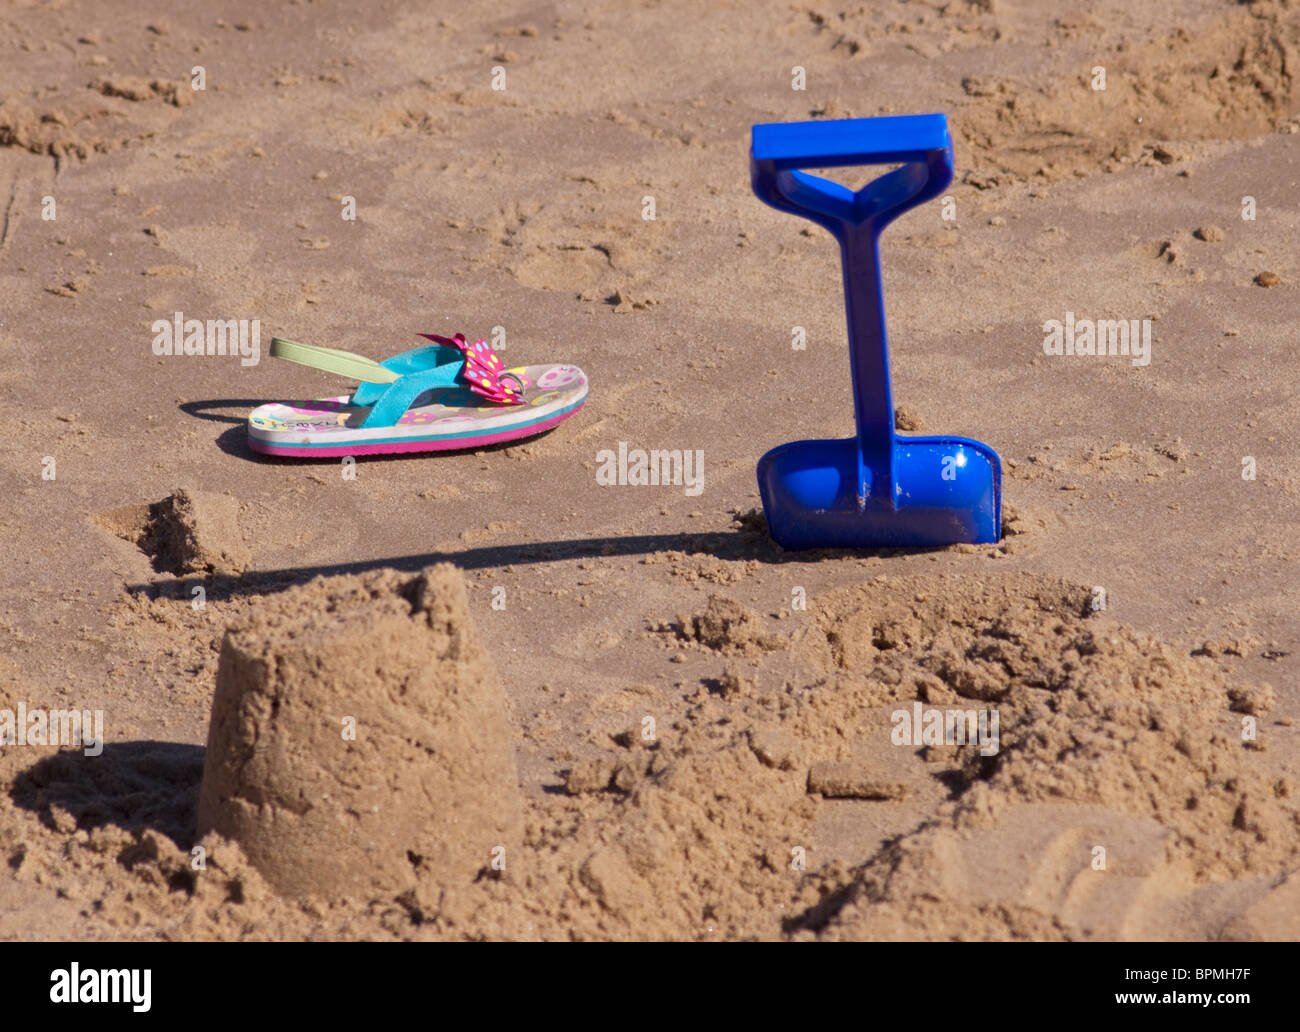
332, 360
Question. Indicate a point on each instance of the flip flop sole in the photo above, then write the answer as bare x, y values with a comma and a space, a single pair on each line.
445, 420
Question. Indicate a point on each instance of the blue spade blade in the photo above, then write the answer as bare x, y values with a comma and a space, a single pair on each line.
876, 489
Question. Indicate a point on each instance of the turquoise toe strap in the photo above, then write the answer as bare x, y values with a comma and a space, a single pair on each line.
418, 360
391, 402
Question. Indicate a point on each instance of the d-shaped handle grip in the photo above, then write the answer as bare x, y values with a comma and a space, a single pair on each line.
920, 143
923, 147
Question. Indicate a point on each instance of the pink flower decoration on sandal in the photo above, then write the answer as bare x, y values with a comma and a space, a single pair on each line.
483, 372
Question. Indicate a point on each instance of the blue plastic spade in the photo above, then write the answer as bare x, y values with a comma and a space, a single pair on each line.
876, 489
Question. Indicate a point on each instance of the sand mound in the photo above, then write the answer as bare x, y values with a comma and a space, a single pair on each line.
1090, 715
1093, 719
359, 743
707, 825
188, 532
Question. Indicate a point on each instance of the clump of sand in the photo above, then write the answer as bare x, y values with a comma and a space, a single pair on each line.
359, 743
188, 532
195, 532
725, 626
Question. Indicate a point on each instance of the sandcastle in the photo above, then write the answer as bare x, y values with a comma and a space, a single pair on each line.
359, 741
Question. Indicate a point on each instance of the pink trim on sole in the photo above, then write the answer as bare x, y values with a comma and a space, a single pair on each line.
414, 445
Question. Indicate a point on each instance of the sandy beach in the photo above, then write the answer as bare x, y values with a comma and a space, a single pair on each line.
491, 694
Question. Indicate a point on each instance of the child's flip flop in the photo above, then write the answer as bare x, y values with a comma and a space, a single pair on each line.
443, 396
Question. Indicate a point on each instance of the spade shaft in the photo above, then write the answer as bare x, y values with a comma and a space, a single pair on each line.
864, 302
